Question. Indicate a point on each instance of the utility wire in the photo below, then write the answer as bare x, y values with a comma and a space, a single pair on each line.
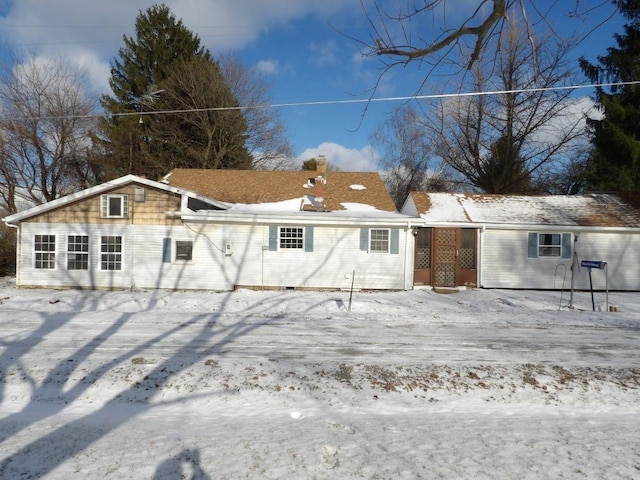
334, 102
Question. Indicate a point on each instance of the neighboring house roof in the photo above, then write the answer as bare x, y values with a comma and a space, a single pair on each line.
588, 210
98, 189
264, 188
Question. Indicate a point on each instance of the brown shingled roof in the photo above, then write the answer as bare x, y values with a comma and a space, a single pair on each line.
261, 186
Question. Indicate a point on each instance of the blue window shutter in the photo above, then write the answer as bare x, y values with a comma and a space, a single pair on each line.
273, 238
364, 239
533, 245
394, 246
308, 239
566, 245
166, 250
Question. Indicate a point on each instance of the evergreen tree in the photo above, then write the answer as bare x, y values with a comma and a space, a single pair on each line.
148, 75
614, 163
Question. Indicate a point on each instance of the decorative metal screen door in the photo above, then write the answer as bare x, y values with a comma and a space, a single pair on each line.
445, 257
422, 259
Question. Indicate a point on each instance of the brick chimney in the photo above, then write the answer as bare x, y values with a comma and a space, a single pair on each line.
320, 182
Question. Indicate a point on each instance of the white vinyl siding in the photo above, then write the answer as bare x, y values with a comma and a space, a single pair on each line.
331, 256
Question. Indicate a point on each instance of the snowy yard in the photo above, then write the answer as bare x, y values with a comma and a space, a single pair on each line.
288, 384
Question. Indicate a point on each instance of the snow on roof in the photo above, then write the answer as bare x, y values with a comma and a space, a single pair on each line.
292, 209
607, 210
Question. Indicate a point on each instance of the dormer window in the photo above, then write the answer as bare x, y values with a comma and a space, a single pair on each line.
114, 206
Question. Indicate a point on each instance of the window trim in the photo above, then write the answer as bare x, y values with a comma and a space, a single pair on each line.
299, 240
52, 255
183, 260
105, 207
79, 252
387, 240
535, 245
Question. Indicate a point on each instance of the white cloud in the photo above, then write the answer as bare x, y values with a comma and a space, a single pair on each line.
93, 30
348, 159
270, 67
324, 54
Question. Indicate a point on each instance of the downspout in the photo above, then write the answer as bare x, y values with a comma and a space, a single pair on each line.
409, 244
480, 255
18, 250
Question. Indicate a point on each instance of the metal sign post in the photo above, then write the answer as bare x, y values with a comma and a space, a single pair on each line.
599, 265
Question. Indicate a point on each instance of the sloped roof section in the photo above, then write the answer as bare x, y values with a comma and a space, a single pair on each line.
589, 210
270, 187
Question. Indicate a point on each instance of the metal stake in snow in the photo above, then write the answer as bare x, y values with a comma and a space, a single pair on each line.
353, 276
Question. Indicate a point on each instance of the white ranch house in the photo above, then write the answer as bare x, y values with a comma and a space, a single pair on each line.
529, 242
219, 230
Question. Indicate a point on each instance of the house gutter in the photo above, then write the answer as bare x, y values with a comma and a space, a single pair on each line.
532, 227
292, 219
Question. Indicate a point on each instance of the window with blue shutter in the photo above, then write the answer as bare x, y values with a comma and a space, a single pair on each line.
550, 245
394, 248
566, 245
308, 239
364, 239
273, 238
166, 250
533, 245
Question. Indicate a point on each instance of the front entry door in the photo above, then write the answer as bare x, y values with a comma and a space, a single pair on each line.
445, 257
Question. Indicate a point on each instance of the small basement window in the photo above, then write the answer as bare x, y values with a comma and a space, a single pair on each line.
184, 251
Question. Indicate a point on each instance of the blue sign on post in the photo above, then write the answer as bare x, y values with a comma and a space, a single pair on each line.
593, 264
600, 265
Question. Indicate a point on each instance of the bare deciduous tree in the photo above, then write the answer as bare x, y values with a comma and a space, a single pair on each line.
429, 30
44, 130
407, 163
518, 133
267, 141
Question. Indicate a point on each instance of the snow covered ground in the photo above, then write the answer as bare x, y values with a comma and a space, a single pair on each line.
478, 384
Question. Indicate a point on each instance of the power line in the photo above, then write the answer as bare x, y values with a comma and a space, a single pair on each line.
436, 96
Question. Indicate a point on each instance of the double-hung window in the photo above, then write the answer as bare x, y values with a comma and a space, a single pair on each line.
114, 206
549, 245
110, 252
379, 240
77, 252
44, 248
291, 238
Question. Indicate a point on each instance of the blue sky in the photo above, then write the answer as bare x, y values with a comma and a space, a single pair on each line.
303, 46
